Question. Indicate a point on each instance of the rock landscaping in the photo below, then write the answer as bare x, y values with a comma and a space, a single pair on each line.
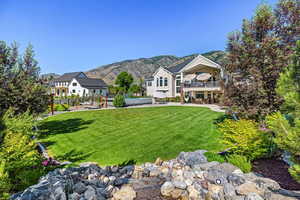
188, 177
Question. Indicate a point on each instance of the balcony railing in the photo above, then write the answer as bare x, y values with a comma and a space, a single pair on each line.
209, 84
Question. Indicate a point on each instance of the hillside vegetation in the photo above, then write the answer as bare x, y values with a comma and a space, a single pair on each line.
145, 67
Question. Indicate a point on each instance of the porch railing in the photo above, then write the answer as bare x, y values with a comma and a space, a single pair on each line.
209, 84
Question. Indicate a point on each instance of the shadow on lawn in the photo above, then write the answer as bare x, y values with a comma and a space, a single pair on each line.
221, 119
62, 126
127, 162
73, 156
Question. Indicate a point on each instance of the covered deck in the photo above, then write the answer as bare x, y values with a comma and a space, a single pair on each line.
201, 84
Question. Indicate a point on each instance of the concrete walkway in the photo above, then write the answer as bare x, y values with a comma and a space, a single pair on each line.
213, 107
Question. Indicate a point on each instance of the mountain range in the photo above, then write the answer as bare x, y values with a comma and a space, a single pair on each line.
145, 67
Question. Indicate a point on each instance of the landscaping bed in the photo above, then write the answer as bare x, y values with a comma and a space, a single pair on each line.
277, 170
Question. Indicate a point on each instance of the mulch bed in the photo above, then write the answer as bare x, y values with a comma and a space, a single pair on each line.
276, 170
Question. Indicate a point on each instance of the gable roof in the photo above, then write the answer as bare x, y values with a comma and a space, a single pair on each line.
68, 76
161, 68
200, 60
178, 67
91, 82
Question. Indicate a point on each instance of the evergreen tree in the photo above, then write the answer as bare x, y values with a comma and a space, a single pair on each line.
20, 88
288, 85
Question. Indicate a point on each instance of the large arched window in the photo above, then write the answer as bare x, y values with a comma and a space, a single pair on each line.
166, 81
160, 81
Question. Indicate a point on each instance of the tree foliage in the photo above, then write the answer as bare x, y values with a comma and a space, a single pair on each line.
134, 88
124, 80
19, 84
287, 132
256, 58
288, 85
287, 136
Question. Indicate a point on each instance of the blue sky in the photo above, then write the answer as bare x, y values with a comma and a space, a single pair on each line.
77, 35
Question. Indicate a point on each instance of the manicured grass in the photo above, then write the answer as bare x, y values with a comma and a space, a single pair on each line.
136, 134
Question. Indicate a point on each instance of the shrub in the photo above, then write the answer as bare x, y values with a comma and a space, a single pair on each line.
287, 137
5, 184
22, 123
214, 157
295, 172
20, 156
240, 161
244, 137
119, 101
20, 164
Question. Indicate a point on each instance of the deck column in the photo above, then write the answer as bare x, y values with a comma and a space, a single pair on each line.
181, 89
181, 94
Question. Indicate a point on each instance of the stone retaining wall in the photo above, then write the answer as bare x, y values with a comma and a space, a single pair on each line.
188, 177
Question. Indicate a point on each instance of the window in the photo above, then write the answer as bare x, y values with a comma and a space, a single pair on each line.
74, 84
178, 84
199, 95
157, 82
149, 83
166, 81
73, 91
161, 81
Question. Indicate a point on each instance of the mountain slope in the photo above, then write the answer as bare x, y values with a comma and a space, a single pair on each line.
145, 67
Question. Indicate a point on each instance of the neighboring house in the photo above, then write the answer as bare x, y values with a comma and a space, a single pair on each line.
195, 80
77, 83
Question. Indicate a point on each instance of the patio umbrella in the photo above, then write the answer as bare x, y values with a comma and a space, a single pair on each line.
189, 77
203, 76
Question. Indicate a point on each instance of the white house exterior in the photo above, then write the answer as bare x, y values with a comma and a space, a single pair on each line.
77, 83
195, 80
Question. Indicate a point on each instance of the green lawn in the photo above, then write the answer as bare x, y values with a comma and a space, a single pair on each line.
136, 134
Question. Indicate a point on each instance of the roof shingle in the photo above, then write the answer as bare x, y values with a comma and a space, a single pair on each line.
178, 67
91, 82
67, 76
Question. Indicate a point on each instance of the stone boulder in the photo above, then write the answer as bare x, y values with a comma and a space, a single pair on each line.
192, 158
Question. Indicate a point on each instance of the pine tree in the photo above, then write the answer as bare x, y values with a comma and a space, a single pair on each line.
19, 84
289, 85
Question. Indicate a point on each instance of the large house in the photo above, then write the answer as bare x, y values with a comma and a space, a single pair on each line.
195, 80
77, 83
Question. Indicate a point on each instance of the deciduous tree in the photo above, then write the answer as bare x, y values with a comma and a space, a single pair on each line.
256, 56
124, 80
